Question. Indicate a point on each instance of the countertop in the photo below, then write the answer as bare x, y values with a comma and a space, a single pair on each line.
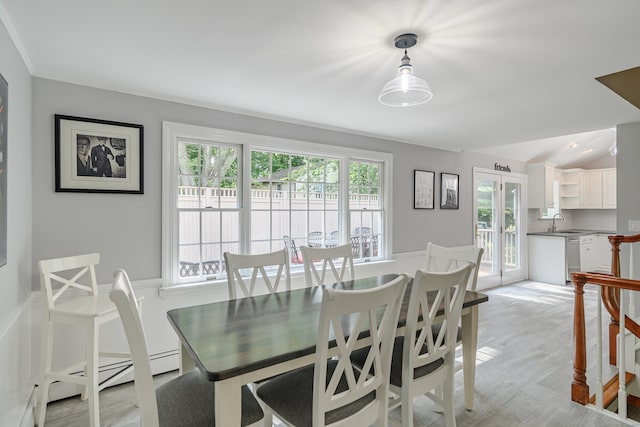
571, 233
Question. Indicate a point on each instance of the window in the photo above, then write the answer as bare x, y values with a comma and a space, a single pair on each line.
244, 193
295, 196
365, 207
207, 205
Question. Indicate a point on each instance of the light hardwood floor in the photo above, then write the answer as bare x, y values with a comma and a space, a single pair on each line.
523, 375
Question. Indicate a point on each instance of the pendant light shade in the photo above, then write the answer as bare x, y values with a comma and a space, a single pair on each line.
406, 89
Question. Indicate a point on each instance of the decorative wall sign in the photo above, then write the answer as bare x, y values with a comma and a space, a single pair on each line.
4, 102
449, 191
98, 156
423, 183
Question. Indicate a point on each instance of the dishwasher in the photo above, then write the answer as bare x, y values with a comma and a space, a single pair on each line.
573, 255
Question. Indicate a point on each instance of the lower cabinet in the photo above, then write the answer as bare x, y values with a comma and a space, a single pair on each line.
589, 255
595, 253
604, 253
547, 259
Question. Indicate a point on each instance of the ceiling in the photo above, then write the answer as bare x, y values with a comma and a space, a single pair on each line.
502, 72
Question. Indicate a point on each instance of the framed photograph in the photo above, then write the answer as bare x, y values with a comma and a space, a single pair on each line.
98, 156
449, 190
4, 103
423, 183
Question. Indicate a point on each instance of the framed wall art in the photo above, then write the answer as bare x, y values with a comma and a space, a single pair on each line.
423, 183
98, 156
4, 102
449, 191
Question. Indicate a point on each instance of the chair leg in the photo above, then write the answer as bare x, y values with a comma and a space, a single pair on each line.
85, 390
46, 350
438, 392
448, 401
92, 374
407, 410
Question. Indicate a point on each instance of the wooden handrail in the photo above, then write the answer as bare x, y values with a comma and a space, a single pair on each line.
611, 296
579, 387
611, 285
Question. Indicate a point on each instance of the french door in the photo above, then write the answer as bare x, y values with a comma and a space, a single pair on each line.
499, 205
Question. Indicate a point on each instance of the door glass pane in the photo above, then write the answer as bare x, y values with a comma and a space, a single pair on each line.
512, 224
487, 233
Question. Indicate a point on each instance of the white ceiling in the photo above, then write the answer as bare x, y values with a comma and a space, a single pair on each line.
502, 72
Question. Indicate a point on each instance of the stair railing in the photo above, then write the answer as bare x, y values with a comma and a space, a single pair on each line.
612, 290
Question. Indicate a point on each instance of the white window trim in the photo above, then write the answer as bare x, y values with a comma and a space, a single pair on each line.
172, 131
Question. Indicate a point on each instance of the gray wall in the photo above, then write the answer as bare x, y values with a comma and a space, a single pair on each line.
15, 277
628, 177
126, 229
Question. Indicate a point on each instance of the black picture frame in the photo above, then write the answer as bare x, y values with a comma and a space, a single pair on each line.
98, 156
449, 190
423, 189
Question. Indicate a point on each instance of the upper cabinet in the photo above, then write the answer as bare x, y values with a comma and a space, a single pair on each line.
578, 188
540, 184
591, 190
598, 189
569, 188
609, 189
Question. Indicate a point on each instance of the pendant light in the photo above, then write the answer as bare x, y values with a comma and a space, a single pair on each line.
406, 89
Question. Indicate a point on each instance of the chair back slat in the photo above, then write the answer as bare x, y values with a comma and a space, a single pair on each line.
327, 258
125, 300
435, 297
237, 264
59, 275
345, 316
441, 258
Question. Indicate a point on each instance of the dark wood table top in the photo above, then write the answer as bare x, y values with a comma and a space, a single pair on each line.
230, 338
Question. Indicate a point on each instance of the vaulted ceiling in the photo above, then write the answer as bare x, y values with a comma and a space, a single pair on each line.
503, 72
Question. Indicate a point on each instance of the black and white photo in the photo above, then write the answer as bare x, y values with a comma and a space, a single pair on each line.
98, 156
423, 183
449, 191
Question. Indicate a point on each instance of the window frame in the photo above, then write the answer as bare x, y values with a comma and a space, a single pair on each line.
172, 132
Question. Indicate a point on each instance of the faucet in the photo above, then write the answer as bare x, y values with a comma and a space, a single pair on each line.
553, 222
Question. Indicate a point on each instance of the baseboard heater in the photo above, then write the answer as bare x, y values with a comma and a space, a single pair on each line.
161, 362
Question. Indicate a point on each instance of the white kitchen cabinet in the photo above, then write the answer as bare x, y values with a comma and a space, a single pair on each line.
604, 253
598, 189
591, 189
589, 254
609, 189
540, 185
569, 188
547, 259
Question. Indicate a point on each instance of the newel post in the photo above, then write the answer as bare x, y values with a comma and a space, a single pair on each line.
610, 295
579, 387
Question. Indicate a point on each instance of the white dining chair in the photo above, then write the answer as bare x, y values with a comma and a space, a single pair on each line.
60, 281
327, 258
187, 400
238, 265
332, 392
440, 259
422, 361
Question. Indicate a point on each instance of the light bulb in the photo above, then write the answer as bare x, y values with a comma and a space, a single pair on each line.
404, 80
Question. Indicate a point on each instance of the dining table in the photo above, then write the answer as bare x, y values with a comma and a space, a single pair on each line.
246, 340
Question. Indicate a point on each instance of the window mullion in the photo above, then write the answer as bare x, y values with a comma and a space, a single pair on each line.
245, 208
343, 200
